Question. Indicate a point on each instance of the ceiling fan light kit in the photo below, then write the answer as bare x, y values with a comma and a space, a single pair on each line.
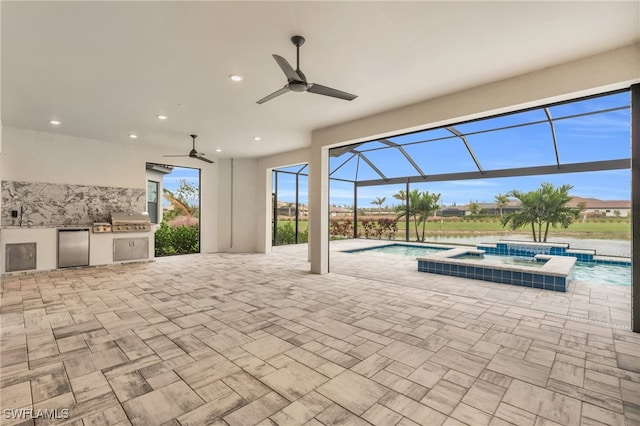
297, 81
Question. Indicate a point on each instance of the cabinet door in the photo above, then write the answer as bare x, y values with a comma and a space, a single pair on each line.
20, 257
121, 249
139, 248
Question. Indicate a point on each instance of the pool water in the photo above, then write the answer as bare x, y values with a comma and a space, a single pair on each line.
399, 250
601, 273
583, 271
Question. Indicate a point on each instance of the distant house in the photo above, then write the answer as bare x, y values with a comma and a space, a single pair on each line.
608, 208
492, 208
289, 209
340, 211
591, 206
484, 208
453, 211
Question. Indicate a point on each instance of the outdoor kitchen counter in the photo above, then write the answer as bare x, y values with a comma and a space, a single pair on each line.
100, 244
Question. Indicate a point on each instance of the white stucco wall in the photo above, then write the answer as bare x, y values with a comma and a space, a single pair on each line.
237, 208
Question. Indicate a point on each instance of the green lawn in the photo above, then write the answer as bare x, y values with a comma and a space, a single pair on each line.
611, 228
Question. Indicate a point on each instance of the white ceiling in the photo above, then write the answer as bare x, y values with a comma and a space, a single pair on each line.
106, 69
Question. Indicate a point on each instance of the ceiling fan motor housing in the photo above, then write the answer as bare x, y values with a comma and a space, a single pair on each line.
298, 86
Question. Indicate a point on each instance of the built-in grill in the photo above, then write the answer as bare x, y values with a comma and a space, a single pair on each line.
130, 222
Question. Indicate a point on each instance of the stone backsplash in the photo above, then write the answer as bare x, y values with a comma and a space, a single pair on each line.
50, 204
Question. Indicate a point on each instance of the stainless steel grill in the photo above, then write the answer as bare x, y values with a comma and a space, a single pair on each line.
130, 222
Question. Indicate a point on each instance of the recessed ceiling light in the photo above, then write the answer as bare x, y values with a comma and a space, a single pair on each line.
235, 77
133, 136
218, 150
257, 138
54, 122
161, 117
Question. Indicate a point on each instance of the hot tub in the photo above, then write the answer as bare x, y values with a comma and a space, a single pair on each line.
541, 271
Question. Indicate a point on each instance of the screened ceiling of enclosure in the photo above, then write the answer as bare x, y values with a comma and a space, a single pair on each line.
588, 134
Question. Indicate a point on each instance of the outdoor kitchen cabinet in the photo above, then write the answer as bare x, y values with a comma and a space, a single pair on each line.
125, 249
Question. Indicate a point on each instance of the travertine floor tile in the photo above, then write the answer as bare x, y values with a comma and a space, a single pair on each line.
520, 369
128, 386
293, 381
352, 391
545, 403
484, 396
89, 386
256, 411
226, 339
162, 405
407, 354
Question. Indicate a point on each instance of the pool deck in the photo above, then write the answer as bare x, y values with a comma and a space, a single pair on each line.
589, 301
255, 339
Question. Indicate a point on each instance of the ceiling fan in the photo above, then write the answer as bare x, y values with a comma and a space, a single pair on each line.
297, 81
193, 153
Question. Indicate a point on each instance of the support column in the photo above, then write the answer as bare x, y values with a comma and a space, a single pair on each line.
319, 209
297, 203
355, 210
275, 211
406, 216
635, 207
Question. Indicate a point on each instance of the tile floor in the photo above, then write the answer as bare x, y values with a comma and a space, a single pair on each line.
233, 339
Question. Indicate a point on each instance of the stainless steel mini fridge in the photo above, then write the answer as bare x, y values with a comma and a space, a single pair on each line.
73, 247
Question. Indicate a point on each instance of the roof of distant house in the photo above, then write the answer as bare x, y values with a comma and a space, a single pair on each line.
595, 203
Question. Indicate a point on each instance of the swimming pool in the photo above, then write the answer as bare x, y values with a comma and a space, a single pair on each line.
612, 274
400, 250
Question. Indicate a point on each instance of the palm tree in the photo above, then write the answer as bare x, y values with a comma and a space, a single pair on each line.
501, 201
427, 205
528, 213
400, 195
556, 211
421, 205
177, 203
379, 202
544, 207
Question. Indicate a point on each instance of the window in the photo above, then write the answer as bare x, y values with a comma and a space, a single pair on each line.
152, 200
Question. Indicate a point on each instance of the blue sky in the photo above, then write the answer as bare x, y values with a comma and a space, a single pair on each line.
606, 185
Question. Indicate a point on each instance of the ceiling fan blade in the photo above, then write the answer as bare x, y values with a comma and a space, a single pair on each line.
328, 91
282, 91
200, 157
287, 68
205, 159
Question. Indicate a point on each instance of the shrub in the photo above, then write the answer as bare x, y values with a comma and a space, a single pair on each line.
179, 240
287, 234
341, 228
183, 221
378, 228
